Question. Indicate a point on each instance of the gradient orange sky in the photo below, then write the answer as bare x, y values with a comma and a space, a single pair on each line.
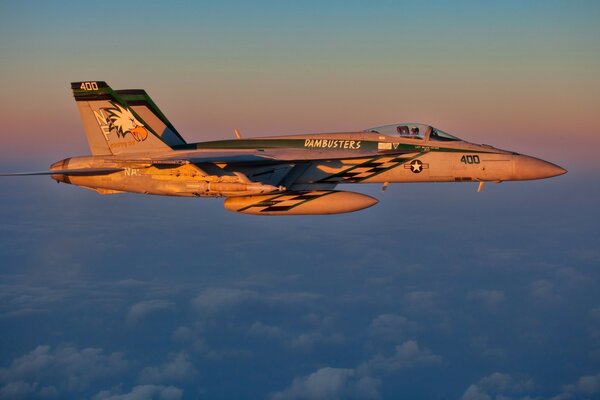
518, 76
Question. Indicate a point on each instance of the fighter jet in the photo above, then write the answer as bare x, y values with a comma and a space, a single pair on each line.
135, 148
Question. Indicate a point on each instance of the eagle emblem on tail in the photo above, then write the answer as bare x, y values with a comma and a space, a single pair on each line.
123, 122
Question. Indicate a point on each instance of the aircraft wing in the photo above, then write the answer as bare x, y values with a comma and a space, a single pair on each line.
281, 167
267, 156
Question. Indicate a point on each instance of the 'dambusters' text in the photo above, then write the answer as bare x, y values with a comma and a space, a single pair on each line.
332, 144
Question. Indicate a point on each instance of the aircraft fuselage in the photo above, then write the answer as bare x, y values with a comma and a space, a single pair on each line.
419, 161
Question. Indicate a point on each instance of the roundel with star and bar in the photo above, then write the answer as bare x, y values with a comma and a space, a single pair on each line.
416, 166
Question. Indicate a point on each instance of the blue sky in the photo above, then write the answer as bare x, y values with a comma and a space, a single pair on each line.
438, 292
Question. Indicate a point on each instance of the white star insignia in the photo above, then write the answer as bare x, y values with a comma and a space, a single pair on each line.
416, 166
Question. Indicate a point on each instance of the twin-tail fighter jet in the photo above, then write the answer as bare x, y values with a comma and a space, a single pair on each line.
136, 149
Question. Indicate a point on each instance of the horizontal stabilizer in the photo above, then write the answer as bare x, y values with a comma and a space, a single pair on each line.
79, 172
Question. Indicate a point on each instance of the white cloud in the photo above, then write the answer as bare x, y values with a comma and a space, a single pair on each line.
183, 334
23, 299
301, 341
391, 327
490, 298
178, 368
306, 340
571, 276
481, 343
142, 392
586, 385
473, 392
146, 307
421, 299
500, 382
321, 322
21, 313
48, 392
544, 291
262, 330
66, 367
500, 386
331, 383
18, 390
360, 382
292, 297
193, 336
405, 355
497, 385
217, 299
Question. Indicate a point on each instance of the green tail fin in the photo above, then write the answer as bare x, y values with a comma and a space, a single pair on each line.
111, 125
143, 105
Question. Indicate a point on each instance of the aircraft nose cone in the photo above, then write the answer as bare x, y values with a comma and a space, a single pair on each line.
527, 167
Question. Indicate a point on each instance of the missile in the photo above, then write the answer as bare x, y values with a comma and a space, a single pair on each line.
230, 188
254, 188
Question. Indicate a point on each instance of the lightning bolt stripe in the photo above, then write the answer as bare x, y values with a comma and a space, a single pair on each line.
285, 202
370, 168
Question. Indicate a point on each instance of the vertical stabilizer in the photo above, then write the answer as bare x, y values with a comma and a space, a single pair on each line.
143, 105
110, 124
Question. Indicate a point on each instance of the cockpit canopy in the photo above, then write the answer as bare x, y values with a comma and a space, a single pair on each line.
414, 131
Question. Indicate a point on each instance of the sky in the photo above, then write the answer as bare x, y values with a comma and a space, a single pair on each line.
438, 292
